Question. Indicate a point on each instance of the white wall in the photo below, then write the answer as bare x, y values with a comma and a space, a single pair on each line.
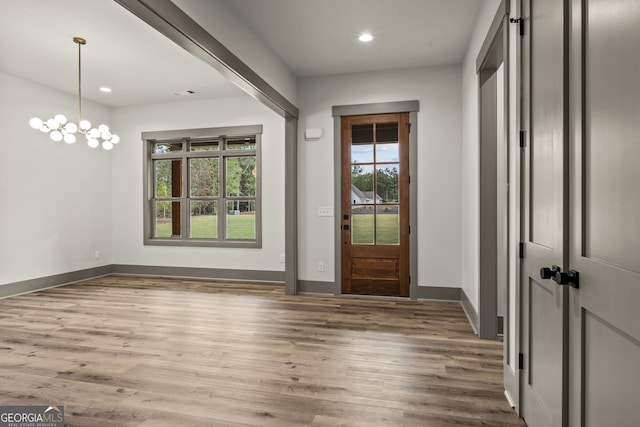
470, 154
130, 122
439, 171
55, 197
240, 39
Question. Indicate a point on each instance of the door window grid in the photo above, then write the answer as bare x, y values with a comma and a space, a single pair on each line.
375, 173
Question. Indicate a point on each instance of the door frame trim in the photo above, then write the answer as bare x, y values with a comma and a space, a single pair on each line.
411, 107
494, 52
501, 42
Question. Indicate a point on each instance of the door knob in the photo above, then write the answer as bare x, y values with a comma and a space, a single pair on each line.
571, 278
548, 273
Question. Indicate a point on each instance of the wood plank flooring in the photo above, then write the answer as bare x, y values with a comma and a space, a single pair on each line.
153, 352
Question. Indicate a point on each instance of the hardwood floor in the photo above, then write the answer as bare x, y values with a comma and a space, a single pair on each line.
131, 351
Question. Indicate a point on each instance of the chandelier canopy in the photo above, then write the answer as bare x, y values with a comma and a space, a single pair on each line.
59, 129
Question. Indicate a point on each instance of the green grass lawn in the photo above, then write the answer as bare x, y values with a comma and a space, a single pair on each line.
387, 229
240, 227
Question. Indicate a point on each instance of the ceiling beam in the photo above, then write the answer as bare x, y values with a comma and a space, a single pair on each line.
174, 23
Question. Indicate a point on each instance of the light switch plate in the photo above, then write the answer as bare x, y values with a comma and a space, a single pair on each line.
325, 211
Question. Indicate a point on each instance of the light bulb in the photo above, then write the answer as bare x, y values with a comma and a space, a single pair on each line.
52, 124
107, 145
60, 118
69, 138
71, 128
115, 139
35, 123
85, 124
105, 135
56, 135
93, 143
103, 128
94, 133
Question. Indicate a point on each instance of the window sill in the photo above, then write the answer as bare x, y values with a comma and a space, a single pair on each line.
203, 243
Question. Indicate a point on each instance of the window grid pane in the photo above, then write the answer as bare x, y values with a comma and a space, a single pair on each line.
208, 196
205, 146
203, 220
167, 147
204, 177
241, 220
241, 144
240, 173
163, 178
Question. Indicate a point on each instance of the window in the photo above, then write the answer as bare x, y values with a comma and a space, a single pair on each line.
203, 187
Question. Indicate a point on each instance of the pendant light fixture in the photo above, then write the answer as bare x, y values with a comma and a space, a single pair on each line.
60, 129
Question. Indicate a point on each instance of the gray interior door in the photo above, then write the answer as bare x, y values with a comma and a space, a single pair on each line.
605, 206
543, 302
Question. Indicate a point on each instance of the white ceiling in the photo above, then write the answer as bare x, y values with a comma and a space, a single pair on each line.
319, 37
139, 64
312, 37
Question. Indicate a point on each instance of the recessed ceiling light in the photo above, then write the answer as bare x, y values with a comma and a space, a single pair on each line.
105, 89
365, 37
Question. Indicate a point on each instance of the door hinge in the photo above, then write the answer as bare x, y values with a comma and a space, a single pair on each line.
521, 247
520, 361
409, 126
520, 23
523, 142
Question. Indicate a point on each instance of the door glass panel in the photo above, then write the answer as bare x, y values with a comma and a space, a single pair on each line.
387, 152
387, 132
387, 225
362, 225
203, 175
387, 183
204, 220
362, 143
362, 184
362, 153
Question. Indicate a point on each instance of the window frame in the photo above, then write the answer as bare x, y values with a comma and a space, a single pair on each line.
185, 137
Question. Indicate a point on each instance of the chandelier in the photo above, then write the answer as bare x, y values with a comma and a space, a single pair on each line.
59, 129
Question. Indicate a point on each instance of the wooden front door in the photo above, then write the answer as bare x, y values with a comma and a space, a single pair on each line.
375, 204
544, 302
